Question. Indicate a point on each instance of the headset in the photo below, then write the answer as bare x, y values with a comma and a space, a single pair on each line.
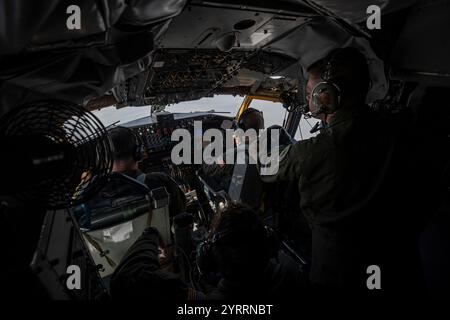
206, 255
329, 86
138, 149
241, 123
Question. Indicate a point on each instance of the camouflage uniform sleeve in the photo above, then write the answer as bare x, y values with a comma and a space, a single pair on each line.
220, 174
291, 161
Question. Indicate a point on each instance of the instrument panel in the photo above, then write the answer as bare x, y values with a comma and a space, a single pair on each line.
155, 138
156, 130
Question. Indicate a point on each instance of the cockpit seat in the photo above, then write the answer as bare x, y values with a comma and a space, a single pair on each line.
113, 220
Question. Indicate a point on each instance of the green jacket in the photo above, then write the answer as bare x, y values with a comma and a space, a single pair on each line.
347, 186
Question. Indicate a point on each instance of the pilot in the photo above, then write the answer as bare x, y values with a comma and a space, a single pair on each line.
128, 152
250, 118
246, 255
351, 185
221, 173
140, 274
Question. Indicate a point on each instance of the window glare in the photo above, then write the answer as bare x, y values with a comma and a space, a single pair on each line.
224, 103
305, 126
273, 112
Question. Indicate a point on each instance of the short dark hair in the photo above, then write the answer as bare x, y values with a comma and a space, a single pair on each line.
239, 220
349, 70
124, 143
251, 122
242, 246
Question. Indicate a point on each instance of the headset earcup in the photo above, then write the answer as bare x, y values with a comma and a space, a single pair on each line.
335, 97
139, 152
241, 124
235, 125
139, 149
333, 93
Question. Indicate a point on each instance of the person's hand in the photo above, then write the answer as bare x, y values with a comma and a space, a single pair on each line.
164, 253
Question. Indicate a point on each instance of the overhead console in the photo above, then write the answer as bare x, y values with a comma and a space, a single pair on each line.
185, 74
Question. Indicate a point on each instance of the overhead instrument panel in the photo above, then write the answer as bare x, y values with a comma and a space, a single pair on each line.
180, 75
187, 75
209, 50
205, 26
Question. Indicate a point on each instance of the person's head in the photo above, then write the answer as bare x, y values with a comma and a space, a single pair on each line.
251, 118
347, 68
242, 246
127, 149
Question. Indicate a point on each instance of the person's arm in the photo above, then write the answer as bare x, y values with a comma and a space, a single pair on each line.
139, 275
219, 174
291, 161
144, 252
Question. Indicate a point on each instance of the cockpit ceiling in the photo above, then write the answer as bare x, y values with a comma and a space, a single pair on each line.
194, 57
201, 27
190, 61
190, 64
182, 51
354, 11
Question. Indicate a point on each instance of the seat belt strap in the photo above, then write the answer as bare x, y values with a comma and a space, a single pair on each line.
141, 178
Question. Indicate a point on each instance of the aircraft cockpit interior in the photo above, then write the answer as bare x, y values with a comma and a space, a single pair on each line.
123, 123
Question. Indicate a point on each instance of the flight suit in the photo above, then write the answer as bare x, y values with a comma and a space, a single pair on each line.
353, 190
279, 280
